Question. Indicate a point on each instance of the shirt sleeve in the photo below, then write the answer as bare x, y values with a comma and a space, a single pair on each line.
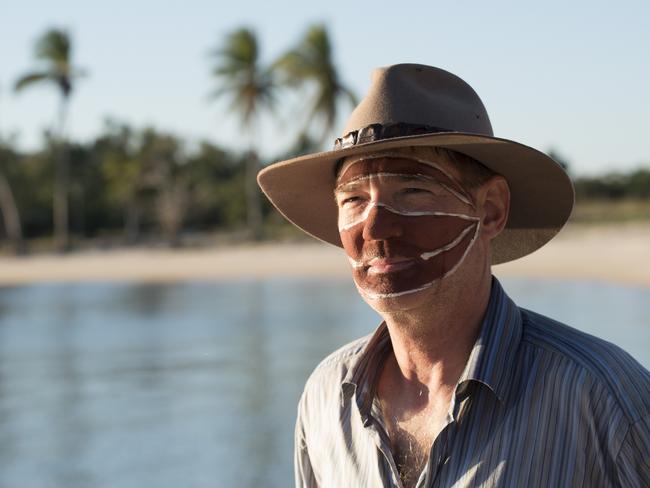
304, 474
633, 459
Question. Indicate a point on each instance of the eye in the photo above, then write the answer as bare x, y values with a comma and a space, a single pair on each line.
350, 200
346, 199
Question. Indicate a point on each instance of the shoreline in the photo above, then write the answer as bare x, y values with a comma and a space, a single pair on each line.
612, 253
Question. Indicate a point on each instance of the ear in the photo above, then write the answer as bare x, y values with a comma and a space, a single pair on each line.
493, 198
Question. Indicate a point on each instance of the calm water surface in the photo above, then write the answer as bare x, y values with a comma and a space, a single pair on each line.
195, 385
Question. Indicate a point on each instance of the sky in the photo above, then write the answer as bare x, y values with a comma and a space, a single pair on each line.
572, 76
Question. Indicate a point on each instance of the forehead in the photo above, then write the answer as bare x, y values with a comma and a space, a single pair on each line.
369, 163
438, 168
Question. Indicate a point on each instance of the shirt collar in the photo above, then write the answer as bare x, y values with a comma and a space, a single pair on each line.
492, 359
362, 375
490, 362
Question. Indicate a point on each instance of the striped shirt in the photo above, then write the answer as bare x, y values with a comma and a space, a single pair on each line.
539, 404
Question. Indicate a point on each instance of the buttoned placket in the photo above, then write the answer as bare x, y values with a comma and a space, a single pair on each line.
440, 449
374, 423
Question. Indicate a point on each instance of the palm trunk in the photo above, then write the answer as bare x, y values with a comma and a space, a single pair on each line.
253, 200
60, 197
132, 221
171, 207
11, 216
253, 196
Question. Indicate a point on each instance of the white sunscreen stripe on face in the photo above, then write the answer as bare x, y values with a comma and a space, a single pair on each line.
377, 296
452, 244
386, 174
355, 264
366, 213
457, 195
471, 243
410, 158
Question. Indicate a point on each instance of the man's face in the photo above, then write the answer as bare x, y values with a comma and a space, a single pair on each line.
405, 224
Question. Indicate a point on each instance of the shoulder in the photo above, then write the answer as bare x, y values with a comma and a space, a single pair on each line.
607, 368
335, 367
320, 407
323, 387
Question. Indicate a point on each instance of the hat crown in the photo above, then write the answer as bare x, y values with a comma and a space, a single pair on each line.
422, 95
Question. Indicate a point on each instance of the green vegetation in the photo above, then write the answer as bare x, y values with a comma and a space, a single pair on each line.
611, 211
140, 185
614, 197
130, 186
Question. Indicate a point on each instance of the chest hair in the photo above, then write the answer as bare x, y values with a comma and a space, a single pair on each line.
411, 441
410, 451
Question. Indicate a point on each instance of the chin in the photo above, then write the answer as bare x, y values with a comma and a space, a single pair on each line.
401, 301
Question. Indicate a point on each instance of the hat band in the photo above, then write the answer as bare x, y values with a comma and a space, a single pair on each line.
377, 132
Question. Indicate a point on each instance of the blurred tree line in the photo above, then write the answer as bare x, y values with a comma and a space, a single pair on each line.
615, 186
128, 186
126, 183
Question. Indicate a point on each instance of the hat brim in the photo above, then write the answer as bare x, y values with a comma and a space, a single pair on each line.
541, 193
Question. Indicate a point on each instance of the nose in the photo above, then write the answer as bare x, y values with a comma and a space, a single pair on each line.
381, 224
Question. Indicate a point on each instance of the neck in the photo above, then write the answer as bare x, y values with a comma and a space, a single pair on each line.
431, 343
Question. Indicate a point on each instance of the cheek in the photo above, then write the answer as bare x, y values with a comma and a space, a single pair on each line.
418, 235
433, 232
352, 240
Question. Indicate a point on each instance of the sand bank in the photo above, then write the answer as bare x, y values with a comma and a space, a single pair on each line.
616, 253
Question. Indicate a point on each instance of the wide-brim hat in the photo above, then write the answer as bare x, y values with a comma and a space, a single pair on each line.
417, 105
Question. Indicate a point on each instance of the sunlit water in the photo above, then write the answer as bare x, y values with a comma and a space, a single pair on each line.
195, 385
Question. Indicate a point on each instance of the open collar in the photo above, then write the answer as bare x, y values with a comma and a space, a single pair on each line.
490, 362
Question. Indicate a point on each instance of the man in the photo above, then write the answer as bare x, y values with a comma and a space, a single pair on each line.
458, 386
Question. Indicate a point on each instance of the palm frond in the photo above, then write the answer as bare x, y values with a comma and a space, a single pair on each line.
54, 50
31, 79
249, 86
54, 46
311, 63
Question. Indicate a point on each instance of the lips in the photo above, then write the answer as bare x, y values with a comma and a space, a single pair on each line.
389, 265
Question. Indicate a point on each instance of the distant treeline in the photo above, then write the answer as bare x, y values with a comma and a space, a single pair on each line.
130, 186
614, 186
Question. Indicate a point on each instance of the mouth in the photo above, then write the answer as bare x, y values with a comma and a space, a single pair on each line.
389, 265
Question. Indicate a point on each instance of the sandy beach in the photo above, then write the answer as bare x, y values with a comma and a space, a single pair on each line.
615, 253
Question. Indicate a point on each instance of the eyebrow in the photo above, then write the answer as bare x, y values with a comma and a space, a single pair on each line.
346, 187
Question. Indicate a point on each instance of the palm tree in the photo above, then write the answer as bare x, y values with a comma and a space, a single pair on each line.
54, 50
8, 207
311, 63
251, 89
